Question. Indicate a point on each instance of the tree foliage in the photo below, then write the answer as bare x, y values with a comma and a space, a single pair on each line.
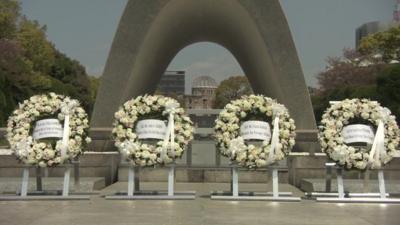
388, 89
385, 45
9, 13
360, 74
231, 89
30, 64
37, 49
94, 87
350, 70
321, 101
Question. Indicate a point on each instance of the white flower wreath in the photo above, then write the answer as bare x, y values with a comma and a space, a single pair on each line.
47, 152
255, 107
151, 107
361, 111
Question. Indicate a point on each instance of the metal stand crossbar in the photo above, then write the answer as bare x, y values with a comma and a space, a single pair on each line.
234, 194
135, 193
44, 195
381, 197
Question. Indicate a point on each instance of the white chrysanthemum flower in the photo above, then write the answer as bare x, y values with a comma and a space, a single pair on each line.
23, 118
147, 154
342, 114
233, 146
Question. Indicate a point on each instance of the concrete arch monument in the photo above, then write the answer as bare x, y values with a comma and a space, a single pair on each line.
151, 33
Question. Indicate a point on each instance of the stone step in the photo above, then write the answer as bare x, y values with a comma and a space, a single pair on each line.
202, 189
86, 184
96, 164
350, 185
185, 174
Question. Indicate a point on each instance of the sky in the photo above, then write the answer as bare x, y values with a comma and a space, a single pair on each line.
84, 30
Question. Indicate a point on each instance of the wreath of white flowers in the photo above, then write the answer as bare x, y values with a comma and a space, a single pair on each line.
255, 107
47, 152
351, 111
151, 107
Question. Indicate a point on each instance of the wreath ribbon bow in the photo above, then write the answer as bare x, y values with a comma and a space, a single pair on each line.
378, 146
169, 139
65, 138
275, 134
67, 109
274, 139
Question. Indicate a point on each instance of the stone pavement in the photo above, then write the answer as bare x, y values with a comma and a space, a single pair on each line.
99, 211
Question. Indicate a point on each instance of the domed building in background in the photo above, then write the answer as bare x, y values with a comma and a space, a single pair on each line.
203, 93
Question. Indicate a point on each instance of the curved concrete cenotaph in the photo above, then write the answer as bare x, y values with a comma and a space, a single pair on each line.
151, 33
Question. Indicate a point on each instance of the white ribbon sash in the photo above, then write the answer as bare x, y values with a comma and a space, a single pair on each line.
274, 140
67, 110
65, 138
169, 138
378, 146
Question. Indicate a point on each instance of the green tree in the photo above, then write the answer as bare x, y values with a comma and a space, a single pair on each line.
386, 44
70, 78
231, 89
388, 89
321, 102
37, 49
94, 87
9, 13
385, 90
30, 64
14, 77
352, 69
352, 75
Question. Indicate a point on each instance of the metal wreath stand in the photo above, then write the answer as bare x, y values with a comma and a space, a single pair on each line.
235, 194
134, 191
341, 197
275, 195
40, 194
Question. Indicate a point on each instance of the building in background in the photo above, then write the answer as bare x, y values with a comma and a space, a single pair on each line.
377, 26
172, 83
203, 93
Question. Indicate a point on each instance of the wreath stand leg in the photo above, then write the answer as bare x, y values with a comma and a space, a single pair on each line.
252, 196
135, 193
381, 197
39, 186
171, 181
77, 181
40, 194
235, 181
24, 183
275, 183
131, 181
67, 175
136, 180
340, 183
382, 188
